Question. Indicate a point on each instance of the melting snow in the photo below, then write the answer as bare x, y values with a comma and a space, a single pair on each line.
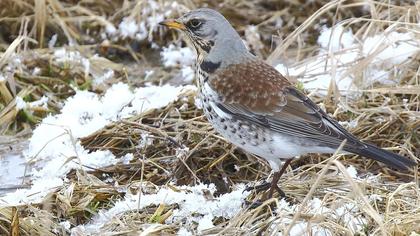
347, 214
194, 206
187, 73
109, 74
175, 56
12, 170
335, 38
152, 12
340, 51
184, 57
52, 41
20, 103
352, 172
127, 158
128, 27
390, 49
53, 147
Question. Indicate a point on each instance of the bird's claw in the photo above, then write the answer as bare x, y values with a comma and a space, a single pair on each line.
253, 204
258, 188
280, 192
263, 187
266, 186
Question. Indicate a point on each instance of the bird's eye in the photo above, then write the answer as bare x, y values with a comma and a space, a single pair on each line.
194, 23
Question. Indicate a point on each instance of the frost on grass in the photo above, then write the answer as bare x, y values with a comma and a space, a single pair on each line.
196, 206
341, 56
21, 104
109, 73
54, 149
71, 58
145, 23
13, 65
98, 68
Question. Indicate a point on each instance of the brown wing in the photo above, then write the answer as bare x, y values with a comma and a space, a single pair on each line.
256, 91
254, 85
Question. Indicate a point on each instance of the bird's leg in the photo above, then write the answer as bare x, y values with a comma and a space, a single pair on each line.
275, 180
273, 185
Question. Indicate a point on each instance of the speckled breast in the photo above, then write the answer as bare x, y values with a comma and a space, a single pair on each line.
242, 133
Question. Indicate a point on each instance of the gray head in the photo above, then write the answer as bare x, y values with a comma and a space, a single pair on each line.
212, 35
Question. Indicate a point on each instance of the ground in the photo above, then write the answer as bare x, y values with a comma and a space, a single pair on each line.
101, 132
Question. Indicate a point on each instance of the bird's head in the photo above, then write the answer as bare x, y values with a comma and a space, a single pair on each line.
209, 32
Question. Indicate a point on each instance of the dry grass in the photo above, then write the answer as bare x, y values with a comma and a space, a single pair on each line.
387, 116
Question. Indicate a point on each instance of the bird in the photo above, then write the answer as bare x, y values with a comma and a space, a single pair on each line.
255, 107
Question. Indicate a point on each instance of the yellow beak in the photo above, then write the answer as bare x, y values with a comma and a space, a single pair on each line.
173, 24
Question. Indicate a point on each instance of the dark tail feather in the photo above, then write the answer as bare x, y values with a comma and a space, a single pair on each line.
386, 157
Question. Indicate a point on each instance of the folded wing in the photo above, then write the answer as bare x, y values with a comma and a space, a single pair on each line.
256, 92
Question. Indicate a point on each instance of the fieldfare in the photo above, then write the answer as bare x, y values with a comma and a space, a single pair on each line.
255, 107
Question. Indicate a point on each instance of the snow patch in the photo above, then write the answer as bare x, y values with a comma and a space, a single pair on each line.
194, 207
335, 38
352, 172
348, 215
42, 102
340, 50
391, 49
109, 74
36, 71
54, 149
20, 103
127, 158
65, 224
175, 56
52, 41
128, 27
184, 232
74, 58
13, 170
152, 12
187, 73
181, 57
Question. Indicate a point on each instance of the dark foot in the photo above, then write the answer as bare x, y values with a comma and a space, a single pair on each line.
258, 188
252, 205
267, 196
267, 186
257, 203
278, 190
271, 186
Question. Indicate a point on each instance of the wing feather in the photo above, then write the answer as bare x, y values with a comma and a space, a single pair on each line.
246, 93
